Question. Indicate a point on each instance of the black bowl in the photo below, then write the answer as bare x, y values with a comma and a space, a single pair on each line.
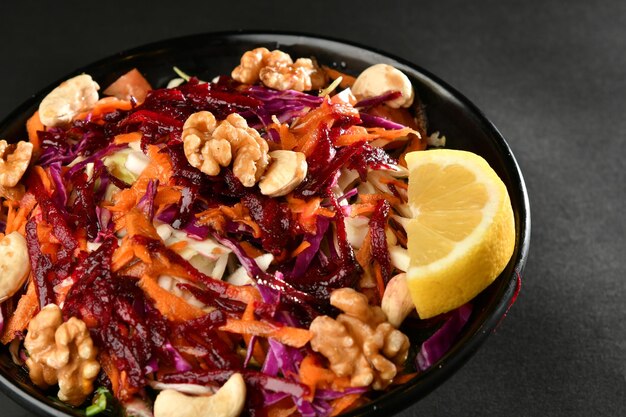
449, 112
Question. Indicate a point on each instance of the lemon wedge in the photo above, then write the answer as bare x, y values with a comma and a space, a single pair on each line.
462, 232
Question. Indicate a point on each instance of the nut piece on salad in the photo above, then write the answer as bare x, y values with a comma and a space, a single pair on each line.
61, 353
14, 160
359, 343
277, 70
286, 171
228, 401
71, 97
14, 264
380, 79
209, 145
397, 303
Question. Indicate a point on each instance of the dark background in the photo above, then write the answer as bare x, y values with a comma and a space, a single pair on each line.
552, 77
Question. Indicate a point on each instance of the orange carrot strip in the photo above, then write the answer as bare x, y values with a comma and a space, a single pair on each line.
301, 247
171, 306
257, 352
314, 376
403, 379
103, 106
178, 246
138, 224
347, 80
290, 336
34, 125
127, 138
111, 370
166, 195
343, 403
283, 408
43, 175
26, 309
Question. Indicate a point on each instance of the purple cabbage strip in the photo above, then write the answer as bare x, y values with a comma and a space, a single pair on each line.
441, 341
95, 157
179, 362
329, 395
375, 101
288, 358
146, 203
60, 192
270, 365
369, 120
249, 351
303, 260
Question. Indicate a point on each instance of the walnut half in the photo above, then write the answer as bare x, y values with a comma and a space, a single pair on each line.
61, 353
359, 343
209, 145
277, 70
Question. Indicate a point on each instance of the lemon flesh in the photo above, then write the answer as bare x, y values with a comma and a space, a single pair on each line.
462, 232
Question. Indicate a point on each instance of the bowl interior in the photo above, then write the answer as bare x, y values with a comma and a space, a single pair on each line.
464, 126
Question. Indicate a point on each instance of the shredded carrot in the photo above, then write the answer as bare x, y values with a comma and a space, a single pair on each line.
395, 182
103, 106
251, 250
314, 376
290, 336
341, 404
333, 74
403, 379
166, 195
43, 176
310, 126
25, 311
416, 143
368, 202
34, 125
216, 217
127, 138
111, 371
355, 134
257, 351
283, 408
308, 211
171, 306
178, 246
138, 224
301, 248
287, 139
17, 217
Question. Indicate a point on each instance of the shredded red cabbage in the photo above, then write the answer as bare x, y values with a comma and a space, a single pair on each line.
436, 346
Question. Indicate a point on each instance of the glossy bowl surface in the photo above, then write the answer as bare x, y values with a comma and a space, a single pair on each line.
448, 111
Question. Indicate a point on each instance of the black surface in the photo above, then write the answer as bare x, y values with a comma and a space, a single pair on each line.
550, 75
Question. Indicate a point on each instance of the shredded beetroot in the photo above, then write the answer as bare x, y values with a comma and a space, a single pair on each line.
41, 266
380, 251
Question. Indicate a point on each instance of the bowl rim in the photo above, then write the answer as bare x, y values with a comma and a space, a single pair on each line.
410, 392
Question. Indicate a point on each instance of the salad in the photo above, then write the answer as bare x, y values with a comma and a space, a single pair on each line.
223, 248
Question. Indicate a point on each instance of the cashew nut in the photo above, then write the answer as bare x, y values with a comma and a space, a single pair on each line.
286, 171
382, 78
397, 302
228, 401
71, 97
14, 264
